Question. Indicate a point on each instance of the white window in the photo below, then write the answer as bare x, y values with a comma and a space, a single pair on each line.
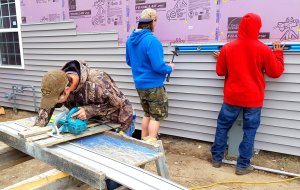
11, 52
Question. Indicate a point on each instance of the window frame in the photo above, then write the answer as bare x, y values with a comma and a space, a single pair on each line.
18, 29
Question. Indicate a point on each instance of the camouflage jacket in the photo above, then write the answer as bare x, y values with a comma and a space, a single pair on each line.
98, 94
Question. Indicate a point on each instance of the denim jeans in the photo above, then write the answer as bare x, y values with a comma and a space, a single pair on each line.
226, 118
131, 128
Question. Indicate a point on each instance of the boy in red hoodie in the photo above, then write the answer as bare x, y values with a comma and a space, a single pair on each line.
244, 62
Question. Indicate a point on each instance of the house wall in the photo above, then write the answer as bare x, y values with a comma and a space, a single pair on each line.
194, 90
178, 20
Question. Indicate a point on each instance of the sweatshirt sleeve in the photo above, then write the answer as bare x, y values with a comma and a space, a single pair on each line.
127, 55
43, 117
221, 66
273, 63
156, 55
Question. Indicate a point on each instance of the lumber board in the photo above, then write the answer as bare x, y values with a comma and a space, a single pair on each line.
38, 137
34, 131
42, 133
2, 111
53, 179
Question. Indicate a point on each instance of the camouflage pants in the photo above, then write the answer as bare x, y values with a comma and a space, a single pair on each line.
154, 102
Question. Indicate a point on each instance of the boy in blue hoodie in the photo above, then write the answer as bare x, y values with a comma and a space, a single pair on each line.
145, 56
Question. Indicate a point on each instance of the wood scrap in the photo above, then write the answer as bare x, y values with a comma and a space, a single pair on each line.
33, 131
2, 111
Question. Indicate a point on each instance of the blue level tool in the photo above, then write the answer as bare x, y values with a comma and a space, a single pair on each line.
289, 47
198, 48
293, 47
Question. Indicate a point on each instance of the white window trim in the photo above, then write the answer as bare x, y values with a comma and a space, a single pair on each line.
19, 21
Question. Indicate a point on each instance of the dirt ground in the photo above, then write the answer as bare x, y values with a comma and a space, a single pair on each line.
189, 165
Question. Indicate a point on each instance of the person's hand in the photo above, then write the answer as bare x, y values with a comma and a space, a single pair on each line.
277, 46
216, 54
172, 65
81, 114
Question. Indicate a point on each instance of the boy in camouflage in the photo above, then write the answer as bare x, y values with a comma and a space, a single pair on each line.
93, 91
144, 54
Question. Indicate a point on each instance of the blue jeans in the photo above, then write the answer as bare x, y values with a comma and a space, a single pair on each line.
226, 118
131, 128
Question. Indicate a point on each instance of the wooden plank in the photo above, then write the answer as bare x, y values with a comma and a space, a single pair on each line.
68, 137
2, 111
34, 131
48, 134
52, 178
38, 137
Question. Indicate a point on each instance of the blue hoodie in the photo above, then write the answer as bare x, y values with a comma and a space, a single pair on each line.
145, 55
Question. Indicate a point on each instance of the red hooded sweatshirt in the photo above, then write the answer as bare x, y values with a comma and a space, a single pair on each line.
244, 61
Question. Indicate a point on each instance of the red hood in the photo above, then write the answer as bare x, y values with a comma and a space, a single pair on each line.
249, 27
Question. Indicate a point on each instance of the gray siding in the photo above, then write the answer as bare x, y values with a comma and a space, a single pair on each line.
195, 92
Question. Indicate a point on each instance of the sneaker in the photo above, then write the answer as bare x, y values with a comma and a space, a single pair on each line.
216, 164
151, 140
244, 171
146, 138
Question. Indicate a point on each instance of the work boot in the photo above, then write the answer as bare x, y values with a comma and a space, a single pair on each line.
244, 171
216, 164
